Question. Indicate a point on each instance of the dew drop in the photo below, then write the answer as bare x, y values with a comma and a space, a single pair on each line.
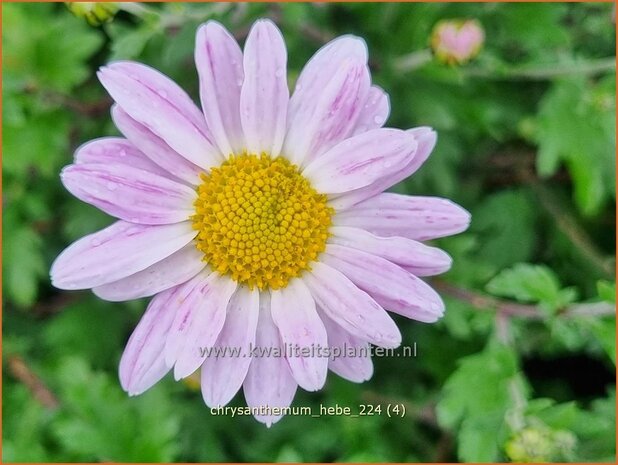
377, 120
279, 72
122, 153
112, 186
95, 242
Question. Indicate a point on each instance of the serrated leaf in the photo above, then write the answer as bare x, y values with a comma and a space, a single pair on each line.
47, 51
101, 423
576, 125
531, 283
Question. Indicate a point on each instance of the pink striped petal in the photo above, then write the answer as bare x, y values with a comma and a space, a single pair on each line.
354, 360
426, 140
143, 361
361, 160
417, 258
350, 307
129, 193
116, 151
223, 374
218, 59
155, 148
329, 95
269, 381
202, 304
159, 104
391, 286
374, 113
116, 252
301, 329
264, 95
176, 269
418, 218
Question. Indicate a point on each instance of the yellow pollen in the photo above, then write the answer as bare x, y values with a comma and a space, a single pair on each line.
259, 220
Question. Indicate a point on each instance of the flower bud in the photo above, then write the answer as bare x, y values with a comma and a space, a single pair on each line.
96, 13
457, 41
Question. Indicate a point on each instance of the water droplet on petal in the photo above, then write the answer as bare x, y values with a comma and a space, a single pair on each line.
95, 242
112, 186
377, 120
279, 72
122, 153
162, 93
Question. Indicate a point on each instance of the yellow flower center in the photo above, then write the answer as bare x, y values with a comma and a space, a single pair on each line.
259, 220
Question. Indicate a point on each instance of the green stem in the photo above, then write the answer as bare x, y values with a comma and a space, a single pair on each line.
550, 71
571, 229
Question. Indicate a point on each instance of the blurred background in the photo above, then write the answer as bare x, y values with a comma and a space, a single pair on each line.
522, 367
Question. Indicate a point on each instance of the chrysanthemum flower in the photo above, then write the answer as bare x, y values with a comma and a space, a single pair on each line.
259, 223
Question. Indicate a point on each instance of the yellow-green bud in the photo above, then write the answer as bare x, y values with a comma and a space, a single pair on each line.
96, 13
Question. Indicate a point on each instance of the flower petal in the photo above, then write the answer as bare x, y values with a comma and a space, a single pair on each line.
374, 113
176, 269
264, 96
218, 59
361, 160
426, 140
155, 148
155, 101
224, 373
130, 194
418, 218
350, 307
116, 151
116, 252
202, 304
143, 361
327, 100
301, 329
353, 360
391, 286
269, 381
417, 258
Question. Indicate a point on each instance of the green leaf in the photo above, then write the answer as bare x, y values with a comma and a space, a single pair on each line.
128, 42
24, 424
531, 283
46, 51
99, 422
23, 264
505, 223
607, 291
475, 405
576, 125
38, 145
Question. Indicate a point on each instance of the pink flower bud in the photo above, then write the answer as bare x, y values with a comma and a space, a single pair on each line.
457, 41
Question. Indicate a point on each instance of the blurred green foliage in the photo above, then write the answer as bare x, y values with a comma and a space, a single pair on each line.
526, 143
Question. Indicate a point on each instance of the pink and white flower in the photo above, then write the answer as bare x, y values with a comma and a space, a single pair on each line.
258, 222
457, 41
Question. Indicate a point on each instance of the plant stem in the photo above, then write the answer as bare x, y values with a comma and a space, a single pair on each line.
507, 308
20, 370
550, 71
